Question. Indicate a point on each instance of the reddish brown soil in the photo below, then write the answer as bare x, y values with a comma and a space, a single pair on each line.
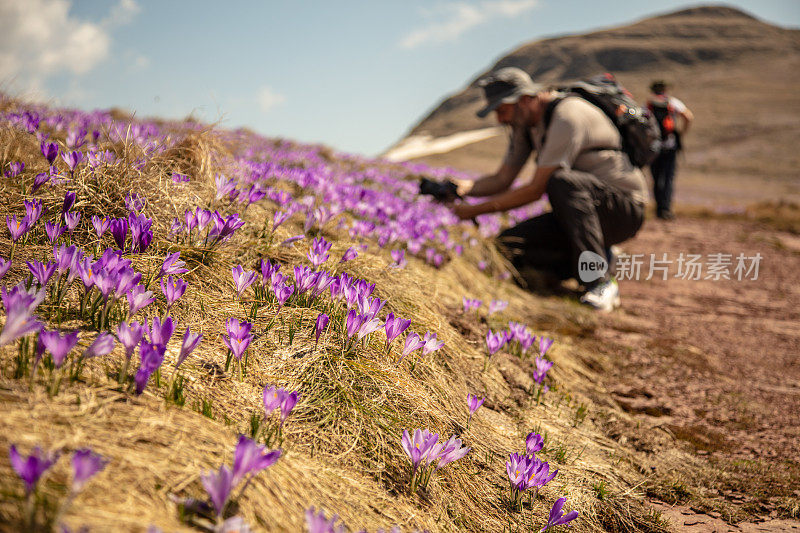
721, 358
717, 362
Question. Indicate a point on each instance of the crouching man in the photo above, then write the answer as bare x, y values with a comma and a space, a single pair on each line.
597, 195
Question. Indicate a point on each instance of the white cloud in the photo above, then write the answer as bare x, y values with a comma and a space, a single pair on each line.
267, 99
40, 39
123, 13
450, 21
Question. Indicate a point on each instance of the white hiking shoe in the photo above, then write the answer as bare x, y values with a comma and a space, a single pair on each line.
603, 296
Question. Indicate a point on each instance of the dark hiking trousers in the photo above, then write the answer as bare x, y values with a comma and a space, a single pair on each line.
587, 215
663, 169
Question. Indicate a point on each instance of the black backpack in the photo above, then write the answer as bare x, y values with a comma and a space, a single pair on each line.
665, 115
641, 134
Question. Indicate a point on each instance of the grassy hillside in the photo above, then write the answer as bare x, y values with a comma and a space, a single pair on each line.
341, 445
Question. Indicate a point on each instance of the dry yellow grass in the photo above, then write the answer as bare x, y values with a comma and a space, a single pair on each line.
342, 443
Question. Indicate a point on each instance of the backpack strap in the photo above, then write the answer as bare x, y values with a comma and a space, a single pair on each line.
548, 116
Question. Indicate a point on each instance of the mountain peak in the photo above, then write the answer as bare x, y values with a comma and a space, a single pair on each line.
691, 38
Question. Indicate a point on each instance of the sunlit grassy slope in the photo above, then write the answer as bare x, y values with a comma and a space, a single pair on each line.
341, 444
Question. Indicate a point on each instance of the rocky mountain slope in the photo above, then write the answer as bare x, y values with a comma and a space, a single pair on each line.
738, 74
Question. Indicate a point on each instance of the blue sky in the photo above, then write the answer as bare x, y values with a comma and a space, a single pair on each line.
355, 75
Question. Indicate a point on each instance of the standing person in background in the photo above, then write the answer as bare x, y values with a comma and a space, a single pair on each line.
666, 110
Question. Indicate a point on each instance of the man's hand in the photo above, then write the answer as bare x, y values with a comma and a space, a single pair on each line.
465, 211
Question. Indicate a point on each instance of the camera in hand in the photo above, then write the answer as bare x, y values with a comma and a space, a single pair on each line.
443, 191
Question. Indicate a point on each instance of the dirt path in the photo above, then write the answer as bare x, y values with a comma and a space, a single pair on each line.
717, 362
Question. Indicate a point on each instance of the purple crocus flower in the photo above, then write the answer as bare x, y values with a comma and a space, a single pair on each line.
225, 187
318, 253
431, 343
134, 202
34, 209
101, 225
533, 443
69, 201
59, 346
71, 219
413, 343
253, 194
272, 399
72, 159
353, 322
288, 401
474, 403
370, 307
557, 517
130, 335
544, 344
54, 230
67, 259
238, 337
251, 458
304, 279
497, 305
419, 446
267, 268
5, 264
190, 342
242, 279
85, 465
447, 452
317, 522
526, 340
190, 219
494, 341
369, 326
31, 468
141, 234
138, 299
152, 355
172, 266
291, 240
539, 474
19, 306
218, 486
282, 294
349, 254
394, 327
102, 345
540, 372
517, 468
320, 325
76, 138
173, 288
42, 272
399, 258
324, 279
279, 218
39, 180
126, 279
161, 333
119, 230
17, 228
49, 151
203, 217
470, 304
14, 169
